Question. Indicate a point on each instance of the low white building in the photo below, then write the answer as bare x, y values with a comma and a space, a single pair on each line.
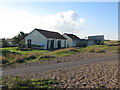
43, 39
96, 40
72, 40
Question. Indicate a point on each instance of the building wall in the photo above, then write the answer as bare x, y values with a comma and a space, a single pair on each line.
99, 38
36, 39
70, 42
63, 45
90, 42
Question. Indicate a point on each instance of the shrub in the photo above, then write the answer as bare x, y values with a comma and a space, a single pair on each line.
25, 49
96, 50
73, 50
30, 57
46, 57
20, 61
3, 59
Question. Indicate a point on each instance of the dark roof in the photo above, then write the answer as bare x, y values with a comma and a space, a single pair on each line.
72, 36
50, 34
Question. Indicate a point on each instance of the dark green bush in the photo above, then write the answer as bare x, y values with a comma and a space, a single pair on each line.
4, 61
46, 57
20, 61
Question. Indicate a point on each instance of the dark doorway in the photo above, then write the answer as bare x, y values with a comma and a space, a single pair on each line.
59, 44
48, 44
52, 44
64, 43
98, 42
29, 43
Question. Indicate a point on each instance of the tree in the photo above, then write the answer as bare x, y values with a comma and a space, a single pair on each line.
19, 37
4, 42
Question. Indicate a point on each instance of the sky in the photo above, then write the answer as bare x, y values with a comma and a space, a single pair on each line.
80, 18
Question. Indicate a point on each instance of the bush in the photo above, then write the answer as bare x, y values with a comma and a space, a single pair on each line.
73, 50
96, 50
20, 61
30, 57
46, 57
4, 61
25, 49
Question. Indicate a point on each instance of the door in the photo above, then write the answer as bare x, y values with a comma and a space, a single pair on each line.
29, 43
59, 44
48, 44
64, 43
52, 44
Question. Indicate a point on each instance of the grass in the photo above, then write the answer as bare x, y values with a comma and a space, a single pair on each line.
64, 52
14, 82
111, 43
12, 55
15, 49
10, 58
101, 47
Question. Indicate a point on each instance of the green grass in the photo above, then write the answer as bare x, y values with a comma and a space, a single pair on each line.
101, 47
14, 82
12, 55
64, 52
15, 49
111, 42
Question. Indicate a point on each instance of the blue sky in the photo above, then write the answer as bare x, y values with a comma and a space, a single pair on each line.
87, 18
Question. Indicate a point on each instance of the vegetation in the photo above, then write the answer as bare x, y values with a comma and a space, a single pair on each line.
9, 58
17, 39
46, 57
4, 42
14, 82
13, 55
64, 52
25, 51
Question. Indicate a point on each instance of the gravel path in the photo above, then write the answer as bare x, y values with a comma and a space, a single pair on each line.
102, 74
42, 68
74, 57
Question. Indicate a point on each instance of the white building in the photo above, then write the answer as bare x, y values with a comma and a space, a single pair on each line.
96, 40
72, 40
43, 39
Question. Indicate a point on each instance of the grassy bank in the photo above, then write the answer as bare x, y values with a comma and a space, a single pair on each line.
12, 55
14, 82
15, 49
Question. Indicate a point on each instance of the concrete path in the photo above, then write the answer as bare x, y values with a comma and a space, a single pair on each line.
55, 66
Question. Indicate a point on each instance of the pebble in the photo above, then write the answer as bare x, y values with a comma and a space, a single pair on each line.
84, 79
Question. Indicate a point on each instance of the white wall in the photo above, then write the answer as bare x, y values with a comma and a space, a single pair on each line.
63, 43
99, 37
90, 42
37, 39
56, 42
70, 42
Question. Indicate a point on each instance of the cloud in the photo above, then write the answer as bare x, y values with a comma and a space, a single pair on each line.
12, 21
82, 20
